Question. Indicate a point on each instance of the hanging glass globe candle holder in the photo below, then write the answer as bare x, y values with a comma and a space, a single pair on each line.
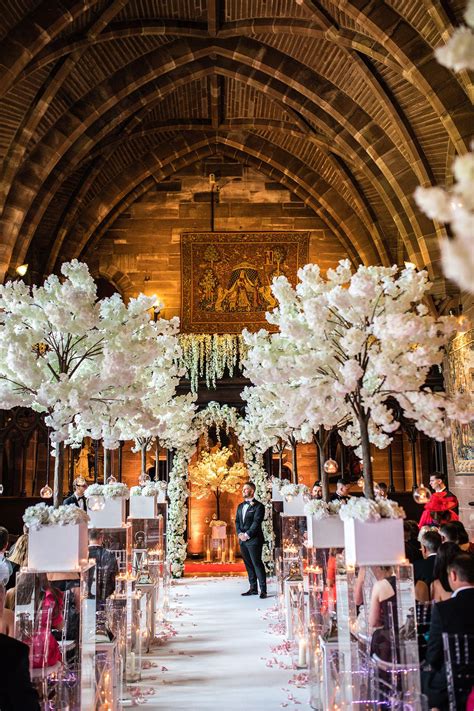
421, 494
1, 488
46, 492
111, 479
330, 466
96, 503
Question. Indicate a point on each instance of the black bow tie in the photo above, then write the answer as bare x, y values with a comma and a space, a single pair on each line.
248, 502
81, 498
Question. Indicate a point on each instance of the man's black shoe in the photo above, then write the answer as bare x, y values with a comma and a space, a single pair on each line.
249, 592
263, 595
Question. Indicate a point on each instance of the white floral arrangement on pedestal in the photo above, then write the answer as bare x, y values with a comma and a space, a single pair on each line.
320, 509
42, 515
149, 489
108, 491
290, 491
363, 509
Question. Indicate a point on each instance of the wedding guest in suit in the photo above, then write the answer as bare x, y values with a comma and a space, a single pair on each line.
317, 490
412, 545
454, 532
423, 569
453, 616
16, 690
248, 523
102, 576
342, 491
78, 498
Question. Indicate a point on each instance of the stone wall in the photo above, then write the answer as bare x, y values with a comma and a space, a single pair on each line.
143, 245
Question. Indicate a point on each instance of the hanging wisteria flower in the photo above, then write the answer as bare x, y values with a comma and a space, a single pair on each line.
42, 515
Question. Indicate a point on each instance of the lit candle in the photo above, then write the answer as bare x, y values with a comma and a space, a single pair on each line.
132, 663
231, 556
208, 555
223, 556
302, 652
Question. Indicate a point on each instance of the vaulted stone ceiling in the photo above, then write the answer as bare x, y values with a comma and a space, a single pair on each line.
340, 101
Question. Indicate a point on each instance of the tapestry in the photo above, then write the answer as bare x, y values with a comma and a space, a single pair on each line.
226, 277
460, 378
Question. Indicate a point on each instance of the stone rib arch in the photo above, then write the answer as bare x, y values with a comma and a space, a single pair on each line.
161, 169
295, 101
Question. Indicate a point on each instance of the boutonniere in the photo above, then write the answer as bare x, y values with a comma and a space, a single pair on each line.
252, 503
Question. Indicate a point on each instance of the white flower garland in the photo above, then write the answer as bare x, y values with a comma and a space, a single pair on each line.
365, 510
226, 418
42, 515
108, 491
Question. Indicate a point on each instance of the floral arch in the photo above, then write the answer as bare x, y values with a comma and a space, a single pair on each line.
226, 418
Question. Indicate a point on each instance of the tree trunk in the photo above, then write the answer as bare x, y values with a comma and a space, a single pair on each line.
294, 460
106, 462
365, 445
319, 440
143, 460
58, 474
218, 504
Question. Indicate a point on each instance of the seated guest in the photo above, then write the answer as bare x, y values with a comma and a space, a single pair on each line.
317, 490
78, 498
454, 532
440, 589
342, 491
18, 557
6, 567
453, 616
7, 618
383, 613
423, 569
49, 605
16, 690
412, 545
102, 576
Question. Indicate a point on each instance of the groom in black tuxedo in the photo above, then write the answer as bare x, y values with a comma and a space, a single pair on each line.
248, 522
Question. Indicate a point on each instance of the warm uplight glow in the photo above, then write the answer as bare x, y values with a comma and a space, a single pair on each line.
22, 269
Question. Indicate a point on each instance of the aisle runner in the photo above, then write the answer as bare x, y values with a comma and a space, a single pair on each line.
220, 650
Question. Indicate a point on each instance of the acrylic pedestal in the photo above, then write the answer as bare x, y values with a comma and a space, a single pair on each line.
70, 662
364, 651
111, 516
109, 675
142, 507
53, 548
294, 506
117, 541
126, 619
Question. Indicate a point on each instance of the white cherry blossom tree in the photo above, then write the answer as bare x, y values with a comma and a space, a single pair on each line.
456, 205
354, 343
